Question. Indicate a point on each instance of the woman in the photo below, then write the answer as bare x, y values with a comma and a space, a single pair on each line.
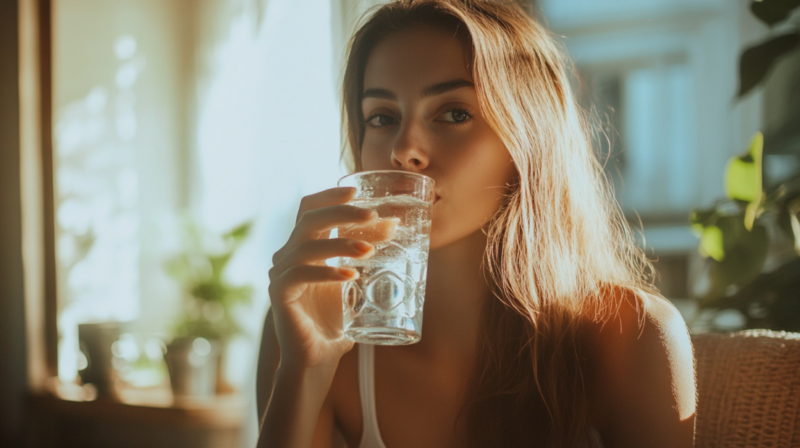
541, 328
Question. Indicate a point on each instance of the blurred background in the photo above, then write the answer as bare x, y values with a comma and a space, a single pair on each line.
154, 153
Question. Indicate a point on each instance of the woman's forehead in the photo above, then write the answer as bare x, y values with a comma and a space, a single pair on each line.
415, 57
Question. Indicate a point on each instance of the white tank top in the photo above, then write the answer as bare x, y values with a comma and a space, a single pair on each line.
370, 433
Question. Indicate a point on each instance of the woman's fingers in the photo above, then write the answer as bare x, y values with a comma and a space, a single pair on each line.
314, 251
383, 229
321, 212
319, 222
288, 286
326, 198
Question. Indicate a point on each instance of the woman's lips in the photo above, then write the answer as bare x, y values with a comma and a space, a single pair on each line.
436, 199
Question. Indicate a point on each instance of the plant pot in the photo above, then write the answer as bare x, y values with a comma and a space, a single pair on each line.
192, 365
224, 387
96, 340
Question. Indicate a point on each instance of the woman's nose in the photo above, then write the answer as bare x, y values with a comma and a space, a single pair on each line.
409, 152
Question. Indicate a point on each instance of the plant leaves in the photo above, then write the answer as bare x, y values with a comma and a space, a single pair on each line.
794, 216
240, 232
752, 212
773, 11
755, 61
743, 179
745, 253
702, 217
210, 299
210, 290
711, 243
219, 263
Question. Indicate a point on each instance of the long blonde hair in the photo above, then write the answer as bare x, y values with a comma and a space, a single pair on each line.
560, 251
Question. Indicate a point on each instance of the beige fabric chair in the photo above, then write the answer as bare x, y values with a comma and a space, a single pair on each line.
748, 389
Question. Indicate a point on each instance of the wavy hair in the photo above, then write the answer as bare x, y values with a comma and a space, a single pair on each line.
560, 251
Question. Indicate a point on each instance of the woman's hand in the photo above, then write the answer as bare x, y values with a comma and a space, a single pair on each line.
306, 293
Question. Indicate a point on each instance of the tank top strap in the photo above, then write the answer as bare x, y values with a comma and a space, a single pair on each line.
370, 433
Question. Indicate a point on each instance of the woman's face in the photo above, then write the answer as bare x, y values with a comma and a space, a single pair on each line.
422, 115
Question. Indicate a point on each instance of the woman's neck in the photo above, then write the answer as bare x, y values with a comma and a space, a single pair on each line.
455, 296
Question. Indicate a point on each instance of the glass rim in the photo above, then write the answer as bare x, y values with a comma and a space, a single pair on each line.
398, 172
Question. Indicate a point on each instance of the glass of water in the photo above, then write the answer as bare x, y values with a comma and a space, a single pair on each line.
384, 305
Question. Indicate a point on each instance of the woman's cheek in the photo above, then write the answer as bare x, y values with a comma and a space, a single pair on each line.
371, 158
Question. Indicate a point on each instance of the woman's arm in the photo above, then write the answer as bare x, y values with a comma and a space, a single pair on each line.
303, 339
292, 399
296, 415
269, 357
646, 382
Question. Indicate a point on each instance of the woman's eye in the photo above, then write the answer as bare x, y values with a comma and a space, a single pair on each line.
379, 120
456, 116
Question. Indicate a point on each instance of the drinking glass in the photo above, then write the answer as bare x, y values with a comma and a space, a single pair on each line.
384, 304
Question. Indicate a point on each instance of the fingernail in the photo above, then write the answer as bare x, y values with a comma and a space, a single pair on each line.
362, 246
368, 214
348, 273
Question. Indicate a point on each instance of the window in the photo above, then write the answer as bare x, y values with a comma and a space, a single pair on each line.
216, 112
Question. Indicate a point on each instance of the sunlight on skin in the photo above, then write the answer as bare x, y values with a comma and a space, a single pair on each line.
678, 345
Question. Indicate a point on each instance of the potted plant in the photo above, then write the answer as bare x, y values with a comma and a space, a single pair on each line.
737, 232
206, 320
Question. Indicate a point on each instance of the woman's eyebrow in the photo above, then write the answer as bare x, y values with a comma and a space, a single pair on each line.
436, 89
444, 87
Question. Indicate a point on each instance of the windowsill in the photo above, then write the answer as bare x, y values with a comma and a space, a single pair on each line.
223, 412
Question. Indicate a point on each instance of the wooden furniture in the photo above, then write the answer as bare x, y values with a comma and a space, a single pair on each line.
60, 423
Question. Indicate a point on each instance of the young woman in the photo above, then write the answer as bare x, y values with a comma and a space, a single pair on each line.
540, 326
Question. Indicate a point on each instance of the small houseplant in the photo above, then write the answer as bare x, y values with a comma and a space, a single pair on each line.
737, 232
206, 319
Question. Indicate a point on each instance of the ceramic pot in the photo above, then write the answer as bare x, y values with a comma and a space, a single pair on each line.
192, 365
95, 341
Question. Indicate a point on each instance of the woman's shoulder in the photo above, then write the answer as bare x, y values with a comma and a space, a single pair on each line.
643, 360
643, 338
635, 317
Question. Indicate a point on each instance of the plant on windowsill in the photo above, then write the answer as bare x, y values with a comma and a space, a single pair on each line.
737, 232
206, 321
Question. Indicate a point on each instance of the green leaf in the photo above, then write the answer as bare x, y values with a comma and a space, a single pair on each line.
219, 263
756, 61
711, 243
702, 217
211, 291
752, 212
743, 180
794, 216
773, 11
240, 232
745, 252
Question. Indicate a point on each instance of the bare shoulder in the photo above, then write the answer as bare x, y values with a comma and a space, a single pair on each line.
643, 320
643, 369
